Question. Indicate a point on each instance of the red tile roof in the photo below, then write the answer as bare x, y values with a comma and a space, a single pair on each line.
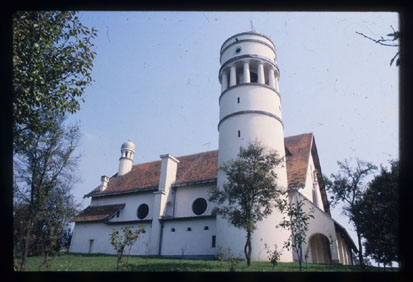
299, 146
201, 166
97, 213
204, 166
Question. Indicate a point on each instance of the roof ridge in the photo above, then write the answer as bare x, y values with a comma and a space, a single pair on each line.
309, 133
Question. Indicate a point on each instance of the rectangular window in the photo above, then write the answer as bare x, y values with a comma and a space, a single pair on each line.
213, 241
90, 245
238, 100
239, 133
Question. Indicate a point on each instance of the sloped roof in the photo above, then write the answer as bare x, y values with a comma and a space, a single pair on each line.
204, 166
191, 168
97, 213
297, 162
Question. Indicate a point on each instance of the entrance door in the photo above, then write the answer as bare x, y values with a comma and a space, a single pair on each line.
320, 249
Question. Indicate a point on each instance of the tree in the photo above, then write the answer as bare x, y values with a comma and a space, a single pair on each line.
250, 192
347, 187
297, 222
121, 241
52, 63
47, 166
273, 255
390, 42
53, 220
381, 201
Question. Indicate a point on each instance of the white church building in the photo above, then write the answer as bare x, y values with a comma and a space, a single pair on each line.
169, 197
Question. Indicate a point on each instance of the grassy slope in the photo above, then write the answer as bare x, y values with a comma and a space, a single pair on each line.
82, 262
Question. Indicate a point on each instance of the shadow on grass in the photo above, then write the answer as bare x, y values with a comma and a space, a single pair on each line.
174, 267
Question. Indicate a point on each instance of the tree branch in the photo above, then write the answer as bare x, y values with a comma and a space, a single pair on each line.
379, 41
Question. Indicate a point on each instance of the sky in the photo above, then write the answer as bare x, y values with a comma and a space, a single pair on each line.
156, 83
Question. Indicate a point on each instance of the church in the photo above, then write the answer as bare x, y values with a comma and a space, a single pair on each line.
169, 196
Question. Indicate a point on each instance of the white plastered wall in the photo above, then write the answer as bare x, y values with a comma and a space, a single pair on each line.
310, 185
131, 201
183, 242
100, 233
321, 224
185, 196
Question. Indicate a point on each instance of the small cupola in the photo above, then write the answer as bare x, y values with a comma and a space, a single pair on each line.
126, 159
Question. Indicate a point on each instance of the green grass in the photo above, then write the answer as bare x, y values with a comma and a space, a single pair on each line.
100, 262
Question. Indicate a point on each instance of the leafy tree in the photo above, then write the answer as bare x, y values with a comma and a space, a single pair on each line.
121, 241
52, 63
297, 222
46, 168
347, 187
390, 42
251, 190
381, 201
54, 219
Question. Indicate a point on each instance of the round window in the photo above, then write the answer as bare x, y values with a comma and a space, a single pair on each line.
238, 50
143, 211
199, 206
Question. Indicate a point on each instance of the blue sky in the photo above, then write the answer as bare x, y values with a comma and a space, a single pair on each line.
156, 83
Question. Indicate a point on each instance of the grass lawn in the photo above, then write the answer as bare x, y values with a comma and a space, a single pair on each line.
100, 262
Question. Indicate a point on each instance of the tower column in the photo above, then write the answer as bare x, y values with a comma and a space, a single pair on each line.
277, 84
271, 78
224, 81
232, 76
247, 78
261, 78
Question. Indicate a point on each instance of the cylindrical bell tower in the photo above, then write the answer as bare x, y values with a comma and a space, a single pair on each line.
250, 110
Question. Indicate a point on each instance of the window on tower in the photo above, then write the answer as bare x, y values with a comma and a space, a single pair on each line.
253, 77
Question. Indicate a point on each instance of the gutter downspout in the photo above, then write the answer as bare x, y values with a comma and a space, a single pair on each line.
160, 239
173, 208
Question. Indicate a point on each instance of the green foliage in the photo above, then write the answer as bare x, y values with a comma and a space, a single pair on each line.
43, 204
297, 220
52, 63
250, 192
347, 187
122, 241
226, 256
273, 255
381, 200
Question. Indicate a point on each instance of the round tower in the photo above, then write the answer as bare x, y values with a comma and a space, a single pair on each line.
125, 162
250, 110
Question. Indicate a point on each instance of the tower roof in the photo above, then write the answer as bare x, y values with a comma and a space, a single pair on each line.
128, 145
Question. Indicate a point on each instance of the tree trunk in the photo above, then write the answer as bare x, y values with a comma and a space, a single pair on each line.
247, 248
360, 250
46, 256
26, 245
